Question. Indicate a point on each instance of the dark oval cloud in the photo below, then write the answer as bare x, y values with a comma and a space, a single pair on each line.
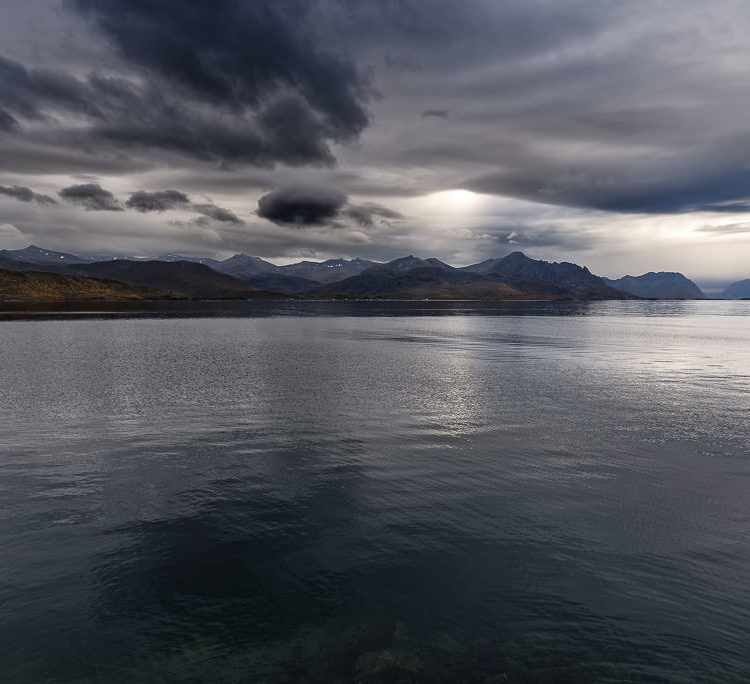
91, 196
161, 200
302, 206
24, 194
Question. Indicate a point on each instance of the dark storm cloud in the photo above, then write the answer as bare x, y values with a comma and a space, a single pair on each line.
237, 53
435, 114
28, 92
303, 206
211, 211
716, 180
161, 200
24, 194
226, 81
91, 197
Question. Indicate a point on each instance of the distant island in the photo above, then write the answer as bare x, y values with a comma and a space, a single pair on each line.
737, 290
663, 285
39, 274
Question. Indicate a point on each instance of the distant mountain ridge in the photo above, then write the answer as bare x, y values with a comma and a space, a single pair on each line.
39, 256
515, 276
545, 278
662, 285
291, 278
510, 277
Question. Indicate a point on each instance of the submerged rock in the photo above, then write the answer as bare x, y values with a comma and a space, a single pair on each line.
388, 665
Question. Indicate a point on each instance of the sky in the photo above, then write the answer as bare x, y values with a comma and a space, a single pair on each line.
611, 133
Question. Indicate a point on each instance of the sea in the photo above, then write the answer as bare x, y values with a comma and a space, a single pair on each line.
331, 492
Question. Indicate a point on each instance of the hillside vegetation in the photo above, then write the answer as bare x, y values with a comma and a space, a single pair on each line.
33, 285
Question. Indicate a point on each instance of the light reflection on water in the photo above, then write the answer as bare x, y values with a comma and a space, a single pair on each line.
531, 494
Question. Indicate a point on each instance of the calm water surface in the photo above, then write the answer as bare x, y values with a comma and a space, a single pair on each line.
376, 492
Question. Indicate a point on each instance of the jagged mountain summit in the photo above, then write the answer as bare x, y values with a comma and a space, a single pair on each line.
398, 278
245, 266
661, 285
512, 277
545, 278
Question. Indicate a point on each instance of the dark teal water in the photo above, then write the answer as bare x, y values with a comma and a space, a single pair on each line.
376, 492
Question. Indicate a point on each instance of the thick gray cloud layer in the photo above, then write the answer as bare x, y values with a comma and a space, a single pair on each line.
568, 113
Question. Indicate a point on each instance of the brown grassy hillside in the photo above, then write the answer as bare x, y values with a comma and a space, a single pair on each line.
33, 285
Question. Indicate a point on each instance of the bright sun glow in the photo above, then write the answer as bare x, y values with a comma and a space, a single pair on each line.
457, 197
457, 202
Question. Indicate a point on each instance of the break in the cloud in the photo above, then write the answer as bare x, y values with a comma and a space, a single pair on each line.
91, 196
24, 194
571, 120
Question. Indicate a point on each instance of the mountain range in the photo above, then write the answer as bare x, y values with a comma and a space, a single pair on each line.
515, 276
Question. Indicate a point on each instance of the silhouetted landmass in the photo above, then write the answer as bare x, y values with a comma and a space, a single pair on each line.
283, 284
512, 277
247, 268
187, 278
46, 286
242, 266
546, 279
328, 271
662, 285
737, 290
515, 276
398, 278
